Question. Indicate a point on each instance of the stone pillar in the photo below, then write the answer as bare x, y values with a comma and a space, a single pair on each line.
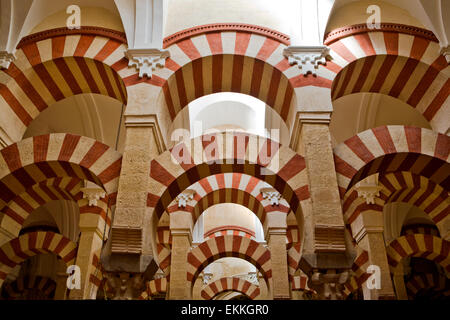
181, 225
367, 230
92, 226
275, 230
311, 138
143, 143
61, 281
399, 283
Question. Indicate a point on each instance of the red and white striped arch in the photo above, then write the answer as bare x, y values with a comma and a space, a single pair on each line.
228, 246
438, 284
400, 61
16, 290
153, 288
39, 158
30, 244
56, 64
231, 57
393, 148
230, 188
300, 283
360, 275
230, 284
421, 246
403, 187
170, 175
14, 214
421, 229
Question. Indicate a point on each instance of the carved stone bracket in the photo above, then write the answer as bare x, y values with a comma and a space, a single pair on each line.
272, 195
5, 59
307, 58
184, 197
369, 192
93, 195
329, 285
147, 60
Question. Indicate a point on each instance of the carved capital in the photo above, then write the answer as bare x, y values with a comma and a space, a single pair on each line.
445, 51
328, 285
184, 197
125, 286
5, 59
307, 58
368, 192
93, 195
147, 60
272, 195
207, 277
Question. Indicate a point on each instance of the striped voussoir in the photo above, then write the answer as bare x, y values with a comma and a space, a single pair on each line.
230, 284
390, 149
164, 256
231, 61
437, 284
359, 276
17, 290
55, 68
229, 230
16, 211
380, 60
283, 168
300, 283
96, 271
420, 246
233, 187
154, 288
403, 187
30, 244
39, 158
228, 246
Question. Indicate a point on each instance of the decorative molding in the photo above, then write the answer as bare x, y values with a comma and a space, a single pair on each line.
126, 240
147, 120
184, 197
5, 59
368, 192
329, 238
223, 27
93, 195
344, 32
272, 195
147, 60
84, 30
307, 58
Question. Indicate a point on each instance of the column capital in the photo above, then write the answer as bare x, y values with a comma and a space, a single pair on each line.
93, 195
329, 284
184, 197
272, 195
5, 59
181, 224
445, 51
307, 58
146, 60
